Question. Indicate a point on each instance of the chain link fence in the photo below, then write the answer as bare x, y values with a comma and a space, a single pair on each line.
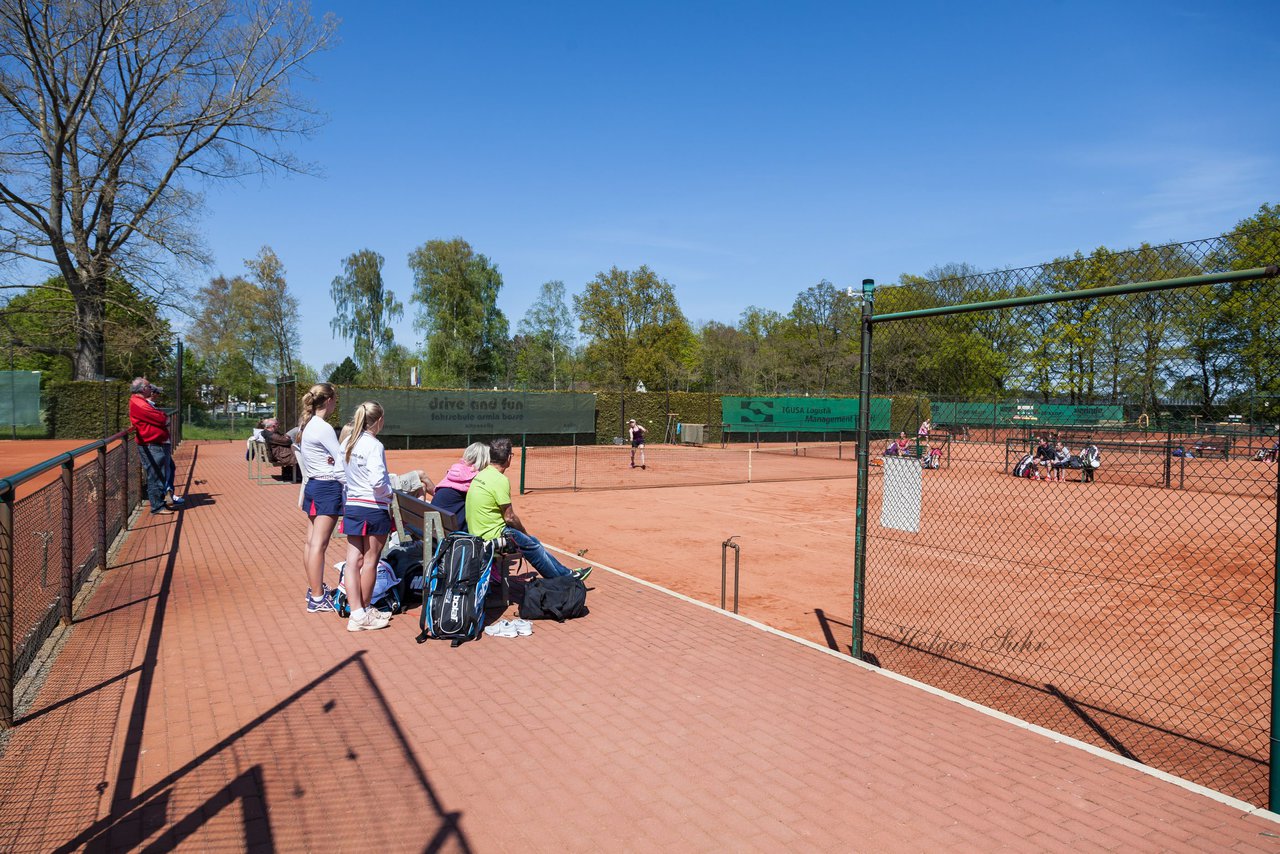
55, 536
1127, 604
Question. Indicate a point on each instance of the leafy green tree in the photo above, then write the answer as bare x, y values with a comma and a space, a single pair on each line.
822, 317
347, 373
363, 311
1254, 307
275, 311
111, 112
227, 336
548, 330
455, 291
39, 326
766, 366
635, 328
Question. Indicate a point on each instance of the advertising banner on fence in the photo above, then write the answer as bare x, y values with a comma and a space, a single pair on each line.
806, 414
1012, 413
20, 398
413, 412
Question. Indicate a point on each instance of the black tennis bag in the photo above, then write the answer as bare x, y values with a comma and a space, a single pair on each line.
1025, 467
456, 583
561, 598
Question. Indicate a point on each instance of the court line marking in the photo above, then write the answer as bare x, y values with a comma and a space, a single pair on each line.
1057, 737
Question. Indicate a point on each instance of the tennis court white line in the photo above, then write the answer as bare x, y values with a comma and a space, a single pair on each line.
1198, 789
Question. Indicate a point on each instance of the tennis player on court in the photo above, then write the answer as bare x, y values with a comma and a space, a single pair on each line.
636, 432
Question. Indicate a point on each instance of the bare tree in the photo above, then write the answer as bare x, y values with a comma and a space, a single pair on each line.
112, 111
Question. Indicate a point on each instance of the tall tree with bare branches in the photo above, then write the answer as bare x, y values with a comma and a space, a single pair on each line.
113, 112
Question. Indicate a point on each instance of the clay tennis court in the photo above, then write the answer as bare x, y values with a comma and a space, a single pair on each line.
19, 454
1135, 617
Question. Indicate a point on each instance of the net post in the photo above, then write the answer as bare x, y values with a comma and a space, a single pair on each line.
864, 466
524, 455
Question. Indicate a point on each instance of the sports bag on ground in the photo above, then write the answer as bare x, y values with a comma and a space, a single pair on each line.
561, 598
1026, 467
456, 583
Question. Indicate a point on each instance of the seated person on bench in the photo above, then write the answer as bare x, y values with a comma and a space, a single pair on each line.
279, 448
490, 514
451, 491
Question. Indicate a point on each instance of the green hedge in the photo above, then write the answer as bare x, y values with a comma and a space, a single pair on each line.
87, 410
614, 408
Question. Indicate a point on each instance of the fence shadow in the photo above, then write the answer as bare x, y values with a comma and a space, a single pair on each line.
282, 781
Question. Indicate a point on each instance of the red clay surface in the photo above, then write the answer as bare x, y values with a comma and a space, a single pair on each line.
196, 704
1133, 617
19, 454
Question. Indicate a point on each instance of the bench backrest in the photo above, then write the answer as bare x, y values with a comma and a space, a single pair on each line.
421, 520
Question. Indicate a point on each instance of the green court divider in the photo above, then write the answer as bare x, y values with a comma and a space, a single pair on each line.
805, 414
20, 398
427, 412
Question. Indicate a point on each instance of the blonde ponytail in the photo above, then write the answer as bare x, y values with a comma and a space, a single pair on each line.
314, 400
366, 413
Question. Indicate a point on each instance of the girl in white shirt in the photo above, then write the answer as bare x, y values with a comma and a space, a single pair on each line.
366, 519
322, 498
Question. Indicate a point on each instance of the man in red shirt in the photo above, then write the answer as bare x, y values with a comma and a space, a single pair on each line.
152, 427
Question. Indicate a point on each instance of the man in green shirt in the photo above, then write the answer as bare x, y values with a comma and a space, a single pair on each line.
490, 514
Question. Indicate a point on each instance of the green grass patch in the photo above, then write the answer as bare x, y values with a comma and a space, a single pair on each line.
221, 431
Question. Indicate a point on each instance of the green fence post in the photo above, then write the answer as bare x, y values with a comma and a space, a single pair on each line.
864, 472
6, 610
1273, 758
68, 532
524, 455
102, 507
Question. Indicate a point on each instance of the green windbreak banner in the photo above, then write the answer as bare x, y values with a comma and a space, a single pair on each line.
808, 414
1010, 413
20, 398
414, 412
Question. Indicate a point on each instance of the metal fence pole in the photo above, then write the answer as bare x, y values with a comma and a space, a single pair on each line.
1273, 771
102, 507
864, 471
6, 610
124, 483
68, 547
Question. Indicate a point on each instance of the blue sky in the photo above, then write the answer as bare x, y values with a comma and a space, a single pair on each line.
746, 150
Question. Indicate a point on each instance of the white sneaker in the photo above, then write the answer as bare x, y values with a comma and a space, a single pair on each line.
501, 629
524, 628
373, 619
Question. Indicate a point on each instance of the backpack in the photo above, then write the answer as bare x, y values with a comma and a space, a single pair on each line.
561, 598
1091, 458
454, 591
1026, 467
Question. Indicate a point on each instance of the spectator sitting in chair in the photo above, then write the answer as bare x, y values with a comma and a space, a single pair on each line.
279, 448
1044, 457
490, 514
1061, 461
451, 491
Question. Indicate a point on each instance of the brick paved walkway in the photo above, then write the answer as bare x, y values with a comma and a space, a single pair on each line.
196, 704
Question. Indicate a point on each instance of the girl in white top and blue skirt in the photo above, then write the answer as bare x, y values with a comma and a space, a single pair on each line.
366, 519
322, 499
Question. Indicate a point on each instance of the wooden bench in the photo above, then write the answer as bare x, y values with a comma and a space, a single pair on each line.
261, 465
421, 521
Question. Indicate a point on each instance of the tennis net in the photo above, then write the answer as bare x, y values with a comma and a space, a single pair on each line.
610, 466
